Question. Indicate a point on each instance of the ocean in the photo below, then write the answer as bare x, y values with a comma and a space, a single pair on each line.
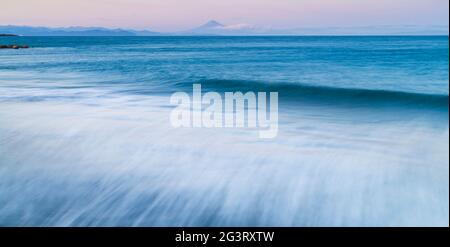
85, 136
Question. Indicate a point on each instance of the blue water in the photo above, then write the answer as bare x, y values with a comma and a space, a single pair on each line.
85, 137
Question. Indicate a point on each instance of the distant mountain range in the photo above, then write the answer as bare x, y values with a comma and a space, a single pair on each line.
72, 31
215, 28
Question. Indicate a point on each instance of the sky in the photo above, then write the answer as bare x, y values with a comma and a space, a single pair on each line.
176, 15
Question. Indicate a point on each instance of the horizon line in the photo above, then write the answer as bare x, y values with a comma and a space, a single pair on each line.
199, 25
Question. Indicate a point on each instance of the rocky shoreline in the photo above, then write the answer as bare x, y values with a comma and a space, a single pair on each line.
14, 47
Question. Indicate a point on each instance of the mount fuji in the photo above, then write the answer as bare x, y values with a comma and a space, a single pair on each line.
216, 28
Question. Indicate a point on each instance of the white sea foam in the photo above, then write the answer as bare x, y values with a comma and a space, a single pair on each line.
119, 162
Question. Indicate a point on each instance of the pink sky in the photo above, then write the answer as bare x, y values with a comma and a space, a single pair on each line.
172, 15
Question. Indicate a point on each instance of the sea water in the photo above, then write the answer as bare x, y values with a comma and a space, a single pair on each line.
86, 139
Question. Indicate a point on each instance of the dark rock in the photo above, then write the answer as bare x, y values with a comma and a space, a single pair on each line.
14, 47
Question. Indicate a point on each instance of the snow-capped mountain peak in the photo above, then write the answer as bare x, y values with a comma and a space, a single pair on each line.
211, 25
